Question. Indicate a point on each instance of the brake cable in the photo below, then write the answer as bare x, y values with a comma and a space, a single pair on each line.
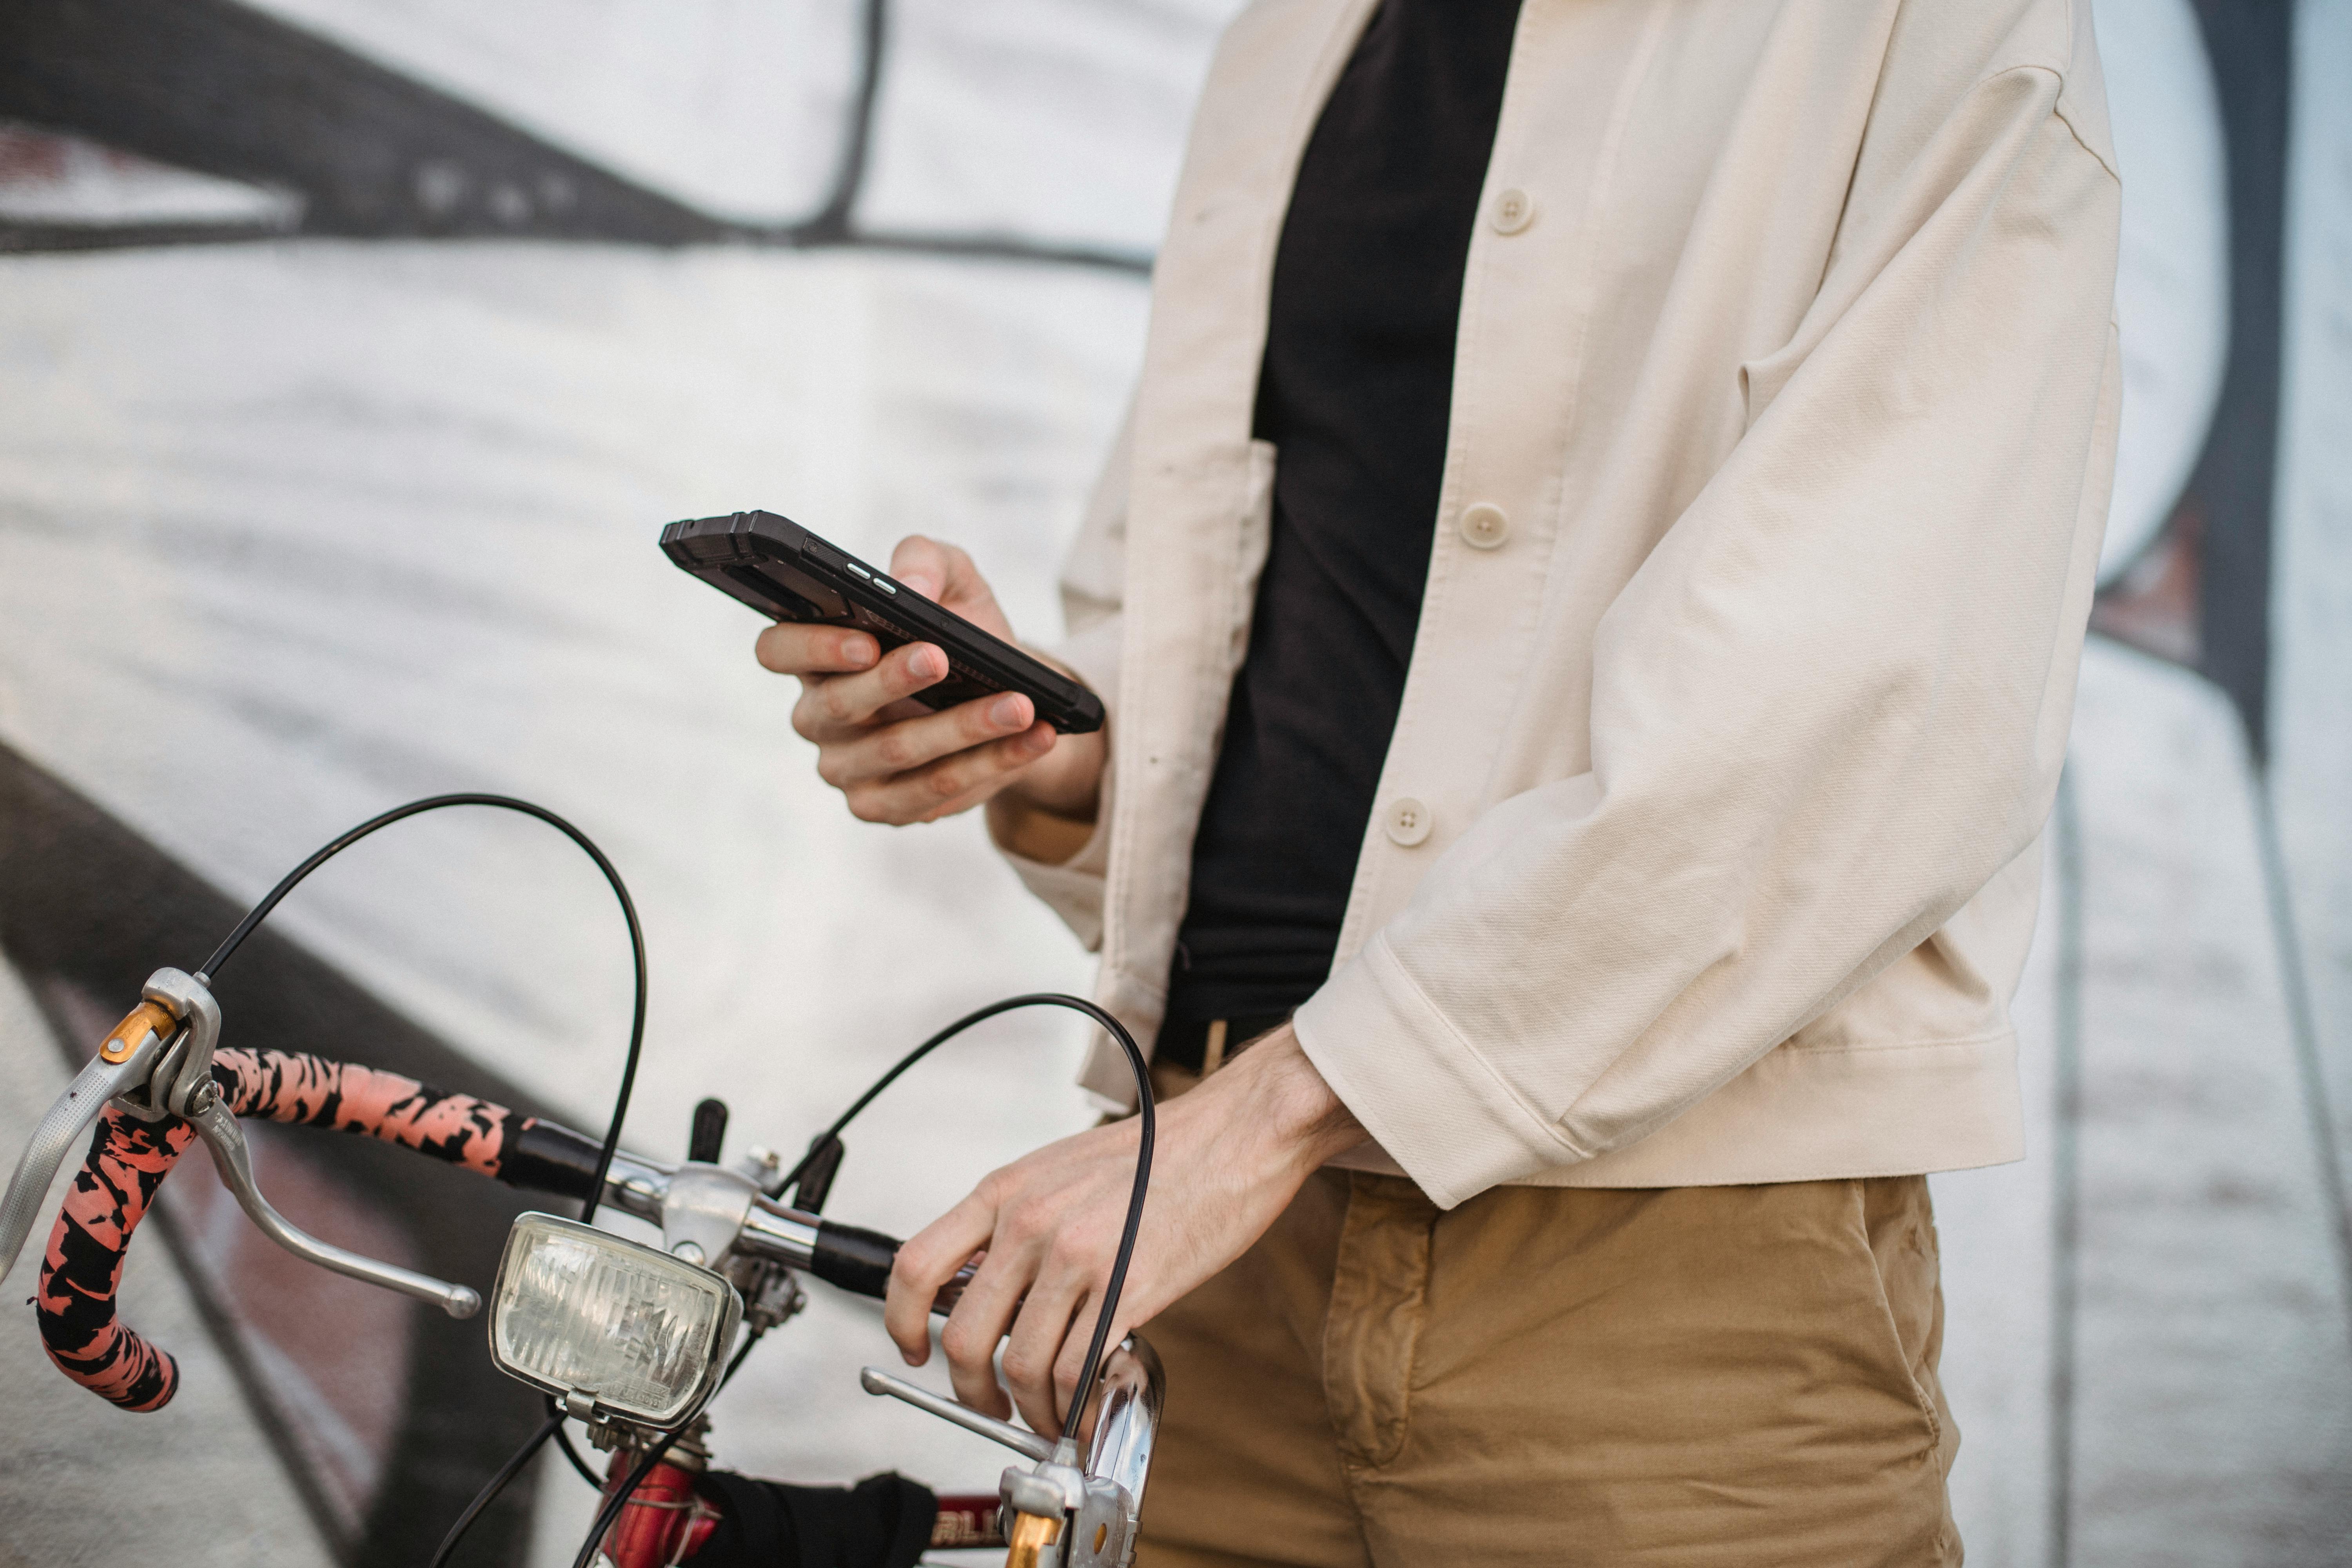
618, 1498
552, 1426
1135, 1062
286, 884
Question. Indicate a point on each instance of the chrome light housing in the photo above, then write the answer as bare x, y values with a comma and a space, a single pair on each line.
616, 1330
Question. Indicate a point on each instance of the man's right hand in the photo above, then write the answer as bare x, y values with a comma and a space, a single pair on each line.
896, 761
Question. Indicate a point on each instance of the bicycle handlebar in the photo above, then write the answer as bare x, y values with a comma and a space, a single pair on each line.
547, 1157
129, 1157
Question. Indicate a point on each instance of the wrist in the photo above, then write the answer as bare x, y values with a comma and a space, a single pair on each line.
1296, 1107
1047, 812
1022, 826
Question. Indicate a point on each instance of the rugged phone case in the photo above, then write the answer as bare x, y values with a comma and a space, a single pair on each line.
788, 573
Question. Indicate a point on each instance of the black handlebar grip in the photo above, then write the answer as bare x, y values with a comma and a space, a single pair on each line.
856, 1260
547, 1157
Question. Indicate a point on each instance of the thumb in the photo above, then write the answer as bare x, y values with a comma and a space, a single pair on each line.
945, 575
925, 565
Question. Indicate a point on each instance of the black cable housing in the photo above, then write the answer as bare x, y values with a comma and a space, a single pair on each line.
653, 1456
287, 883
1142, 1070
553, 1425
563, 1442
617, 1501
829, 1140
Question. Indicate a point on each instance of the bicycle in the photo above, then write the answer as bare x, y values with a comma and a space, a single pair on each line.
631, 1339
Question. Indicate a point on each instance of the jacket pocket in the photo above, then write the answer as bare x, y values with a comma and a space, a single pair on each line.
1900, 1232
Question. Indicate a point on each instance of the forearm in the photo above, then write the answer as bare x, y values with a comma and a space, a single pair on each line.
1304, 1122
1229, 1158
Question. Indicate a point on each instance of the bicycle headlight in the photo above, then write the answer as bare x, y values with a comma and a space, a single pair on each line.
608, 1326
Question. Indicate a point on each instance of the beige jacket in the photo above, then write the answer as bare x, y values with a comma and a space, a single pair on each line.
1784, 415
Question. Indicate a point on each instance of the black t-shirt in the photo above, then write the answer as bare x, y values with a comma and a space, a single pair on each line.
1356, 391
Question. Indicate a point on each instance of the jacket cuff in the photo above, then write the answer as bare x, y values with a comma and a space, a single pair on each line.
1073, 888
1419, 1087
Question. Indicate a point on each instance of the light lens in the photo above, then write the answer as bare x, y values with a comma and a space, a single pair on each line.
579, 1310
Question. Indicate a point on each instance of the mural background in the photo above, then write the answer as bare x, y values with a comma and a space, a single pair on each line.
351, 352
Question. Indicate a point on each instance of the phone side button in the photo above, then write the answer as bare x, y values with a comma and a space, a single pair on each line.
885, 583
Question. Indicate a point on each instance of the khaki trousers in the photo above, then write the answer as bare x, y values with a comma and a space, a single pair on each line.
1693, 1377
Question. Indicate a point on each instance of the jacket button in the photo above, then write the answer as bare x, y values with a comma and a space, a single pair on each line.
1406, 820
1484, 526
1514, 210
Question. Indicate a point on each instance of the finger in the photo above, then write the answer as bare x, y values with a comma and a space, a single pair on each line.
792, 650
1071, 1363
953, 783
1033, 1351
926, 566
927, 1262
986, 790
832, 707
894, 749
905, 708
983, 1315
947, 575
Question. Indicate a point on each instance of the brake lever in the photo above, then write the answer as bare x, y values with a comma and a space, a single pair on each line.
148, 1062
167, 1070
1063, 1516
1020, 1439
119, 1067
225, 1140
185, 1069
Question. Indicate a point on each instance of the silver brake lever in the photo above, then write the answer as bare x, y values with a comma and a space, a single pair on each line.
217, 1127
153, 1076
186, 1067
1021, 1440
1103, 1503
62, 1131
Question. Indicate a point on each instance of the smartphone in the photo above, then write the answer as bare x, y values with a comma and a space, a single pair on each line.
788, 573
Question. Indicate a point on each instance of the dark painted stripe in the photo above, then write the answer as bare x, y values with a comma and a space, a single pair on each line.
2303, 1020
830, 225
36, 237
213, 86
2066, 1199
21, 236
2252, 45
990, 247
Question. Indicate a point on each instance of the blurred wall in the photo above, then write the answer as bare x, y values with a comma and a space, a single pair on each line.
353, 352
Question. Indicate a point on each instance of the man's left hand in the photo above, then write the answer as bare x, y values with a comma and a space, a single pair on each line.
1229, 1156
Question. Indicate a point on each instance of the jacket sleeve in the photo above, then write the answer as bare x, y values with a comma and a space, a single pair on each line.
1094, 578
1829, 705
